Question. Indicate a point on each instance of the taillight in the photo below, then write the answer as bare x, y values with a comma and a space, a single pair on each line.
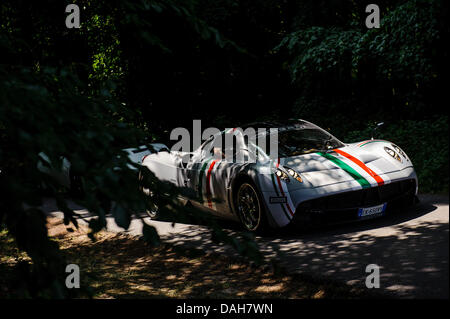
143, 158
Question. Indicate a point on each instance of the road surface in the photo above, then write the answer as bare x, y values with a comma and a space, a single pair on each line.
411, 247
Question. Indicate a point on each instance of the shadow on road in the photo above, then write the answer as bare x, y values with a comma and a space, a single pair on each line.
411, 251
412, 254
428, 204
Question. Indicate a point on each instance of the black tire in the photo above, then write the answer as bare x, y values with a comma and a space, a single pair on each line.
153, 211
250, 207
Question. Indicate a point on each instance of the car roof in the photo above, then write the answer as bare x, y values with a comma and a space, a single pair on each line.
274, 124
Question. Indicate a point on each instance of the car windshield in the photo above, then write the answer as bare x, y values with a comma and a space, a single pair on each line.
303, 139
294, 139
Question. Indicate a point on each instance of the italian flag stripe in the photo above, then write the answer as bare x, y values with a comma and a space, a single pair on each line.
379, 180
278, 194
208, 184
369, 141
200, 180
361, 180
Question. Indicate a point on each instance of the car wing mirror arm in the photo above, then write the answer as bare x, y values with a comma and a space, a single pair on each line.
380, 124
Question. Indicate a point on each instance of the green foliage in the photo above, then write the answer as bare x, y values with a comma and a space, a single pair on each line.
400, 49
69, 94
318, 49
46, 111
425, 142
347, 76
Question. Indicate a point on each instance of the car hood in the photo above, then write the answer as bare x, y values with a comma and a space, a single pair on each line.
339, 165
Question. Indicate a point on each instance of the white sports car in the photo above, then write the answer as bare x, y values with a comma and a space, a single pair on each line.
315, 177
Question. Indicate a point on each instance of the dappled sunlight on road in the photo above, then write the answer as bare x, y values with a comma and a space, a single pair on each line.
118, 266
411, 248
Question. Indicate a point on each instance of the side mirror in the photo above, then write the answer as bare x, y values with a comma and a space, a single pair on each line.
380, 124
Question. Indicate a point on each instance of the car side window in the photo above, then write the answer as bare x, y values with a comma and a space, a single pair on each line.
206, 149
232, 145
225, 146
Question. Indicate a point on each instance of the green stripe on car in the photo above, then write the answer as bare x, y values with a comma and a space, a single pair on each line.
348, 169
200, 180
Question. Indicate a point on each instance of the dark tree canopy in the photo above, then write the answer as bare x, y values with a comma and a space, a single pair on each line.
137, 69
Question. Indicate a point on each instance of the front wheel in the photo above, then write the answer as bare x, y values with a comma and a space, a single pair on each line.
250, 208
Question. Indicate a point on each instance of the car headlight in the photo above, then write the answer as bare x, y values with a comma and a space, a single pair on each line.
281, 174
294, 174
394, 154
399, 151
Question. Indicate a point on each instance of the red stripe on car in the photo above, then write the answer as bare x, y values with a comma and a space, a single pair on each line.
379, 180
208, 183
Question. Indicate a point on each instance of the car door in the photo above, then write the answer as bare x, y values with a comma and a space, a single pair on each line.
210, 173
195, 173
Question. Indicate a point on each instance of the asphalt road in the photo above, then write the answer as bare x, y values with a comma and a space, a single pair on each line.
411, 247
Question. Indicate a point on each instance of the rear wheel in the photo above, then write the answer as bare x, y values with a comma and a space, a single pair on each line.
250, 208
152, 211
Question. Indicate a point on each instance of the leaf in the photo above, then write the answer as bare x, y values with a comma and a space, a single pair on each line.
150, 235
121, 216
